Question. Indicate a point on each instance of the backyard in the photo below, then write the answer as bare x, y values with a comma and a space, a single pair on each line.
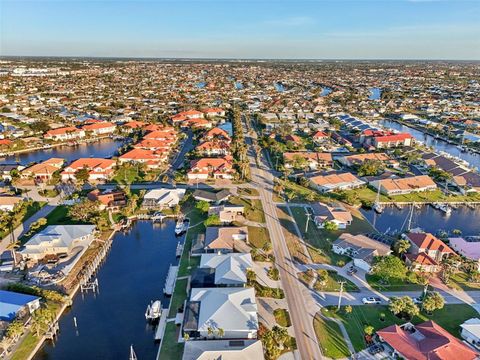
330, 337
253, 208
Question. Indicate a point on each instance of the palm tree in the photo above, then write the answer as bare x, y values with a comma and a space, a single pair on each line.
220, 332
402, 246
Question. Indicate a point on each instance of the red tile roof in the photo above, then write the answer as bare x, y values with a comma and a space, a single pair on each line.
428, 241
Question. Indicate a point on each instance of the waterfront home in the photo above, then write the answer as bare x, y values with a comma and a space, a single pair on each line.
8, 202
7, 169
223, 349
304, 159
43, 171
234, 310
338, 215
163, 198
98, 169
468, 246
196, 124
217, 133
402, 186
186, 115
424, 341
227, 213
159, 146
467, 182
335, 180
216, 168
426, 252
164, 134
100, 128
224, 239
16, 305
152, 159
110, 199
223, 270
360, 248
217, 197
58, 240
471, 332
358, 159
64, 134
385, 139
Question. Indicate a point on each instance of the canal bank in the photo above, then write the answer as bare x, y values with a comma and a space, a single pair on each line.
113, 319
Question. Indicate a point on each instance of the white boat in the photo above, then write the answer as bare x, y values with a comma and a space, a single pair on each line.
133, 356
378, 208
154, 310
181, 226
446, 209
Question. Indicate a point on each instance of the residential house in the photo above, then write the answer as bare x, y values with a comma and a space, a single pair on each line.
338, 215
402, 186
216, 168
426, 252
213, 148
109, 199
234, 310
98, 168
470, 332
8, 202
217, 133
425, 341
312, 160
163, 198
152, 159
224, 239
226, 213
212, 112
14, 305
223, 349
43, 171
222, 270
385, 139
58, 240
212, 197
64, 134
468, 246
100, 128
360, 248
319, 137
335, 181
359, 159
7, 169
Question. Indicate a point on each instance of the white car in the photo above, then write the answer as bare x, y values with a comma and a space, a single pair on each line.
372, 300
417, 300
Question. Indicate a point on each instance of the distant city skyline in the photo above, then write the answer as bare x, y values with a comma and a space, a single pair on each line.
269, 29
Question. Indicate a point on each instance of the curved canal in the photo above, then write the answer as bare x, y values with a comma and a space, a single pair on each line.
438, 144
105, 148
109, 322
393, 220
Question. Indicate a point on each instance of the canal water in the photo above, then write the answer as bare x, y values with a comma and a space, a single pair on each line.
325, 91
104, 148
439, 145
393, 220
109, 322
375, 94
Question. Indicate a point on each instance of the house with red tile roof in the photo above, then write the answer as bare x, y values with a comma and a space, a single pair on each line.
425, 341
196, 124
210, 112
314, 160
213, 148
426, 252
334, 180
151, 158
162, 134
100, 128
44, 170
217, 133
152, 144
109, 199
65, 133
99, 169
215, 168
186, 115
134, 125
319, 137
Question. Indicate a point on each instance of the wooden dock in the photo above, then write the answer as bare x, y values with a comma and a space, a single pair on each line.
171, 278
160, 330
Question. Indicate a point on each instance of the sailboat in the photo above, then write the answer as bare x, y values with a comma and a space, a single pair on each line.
377, 206
133, 356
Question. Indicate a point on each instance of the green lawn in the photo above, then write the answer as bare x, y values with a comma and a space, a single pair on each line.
25, 348
282, 317
393, 284
178, 297
247, 192
171, 349
253, 208
460, 280
330, 337
321, 240
332, 284
59, 216
450, 318
258, 236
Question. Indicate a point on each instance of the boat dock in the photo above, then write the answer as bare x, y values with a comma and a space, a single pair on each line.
170, 282
178, 252
160, 330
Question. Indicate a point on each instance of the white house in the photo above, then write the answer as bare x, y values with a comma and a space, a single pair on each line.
471, 331
234, 310
335, 214
163, 198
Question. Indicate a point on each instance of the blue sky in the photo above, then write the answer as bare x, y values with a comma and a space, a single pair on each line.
321, 29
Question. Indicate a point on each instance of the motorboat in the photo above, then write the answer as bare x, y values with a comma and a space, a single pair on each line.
378, 208
446, 209
154, 310
181, 226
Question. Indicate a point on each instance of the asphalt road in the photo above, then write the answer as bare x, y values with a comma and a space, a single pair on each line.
302, 321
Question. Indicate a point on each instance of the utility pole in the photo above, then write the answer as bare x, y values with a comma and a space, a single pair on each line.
308, 218
341, 293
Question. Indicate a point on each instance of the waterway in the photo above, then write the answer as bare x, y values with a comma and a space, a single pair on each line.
238, 85
326, 91
375, 94
109, 322
438, 144
279, 87
393, 220
105, 148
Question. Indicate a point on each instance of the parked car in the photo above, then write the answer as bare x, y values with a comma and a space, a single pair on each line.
352, 270
372, 300
375, 349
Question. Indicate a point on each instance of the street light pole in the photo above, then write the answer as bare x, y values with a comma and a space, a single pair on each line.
341, 293
308, 218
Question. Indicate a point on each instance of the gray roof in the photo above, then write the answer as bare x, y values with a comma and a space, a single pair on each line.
63, 235
223, 349
230, 269
212, 196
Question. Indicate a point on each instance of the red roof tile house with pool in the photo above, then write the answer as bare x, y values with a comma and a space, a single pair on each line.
425, 341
